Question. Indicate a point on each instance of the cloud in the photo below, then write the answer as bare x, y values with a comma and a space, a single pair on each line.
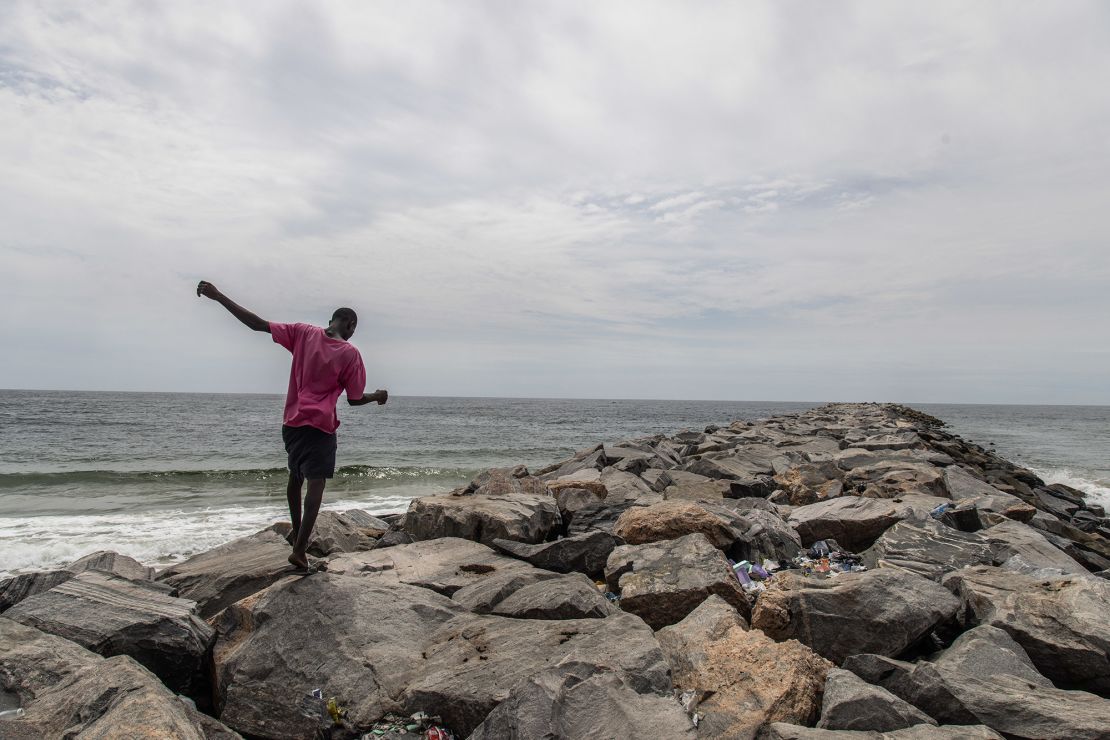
775, 199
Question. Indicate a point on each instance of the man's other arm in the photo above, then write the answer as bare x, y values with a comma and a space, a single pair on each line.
379, 395
208, 290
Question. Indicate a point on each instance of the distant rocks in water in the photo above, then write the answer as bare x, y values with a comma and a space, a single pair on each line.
852, 570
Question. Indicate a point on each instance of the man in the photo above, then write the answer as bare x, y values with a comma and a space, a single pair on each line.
324, 366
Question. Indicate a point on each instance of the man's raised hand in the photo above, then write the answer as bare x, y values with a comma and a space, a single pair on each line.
207, 289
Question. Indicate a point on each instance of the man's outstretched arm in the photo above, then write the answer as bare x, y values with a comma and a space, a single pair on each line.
380, 396
208, 290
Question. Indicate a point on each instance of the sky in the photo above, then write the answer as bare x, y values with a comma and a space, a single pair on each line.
680, 200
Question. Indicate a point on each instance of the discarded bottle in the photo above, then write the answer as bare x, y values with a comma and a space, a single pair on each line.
820, 549
937, 512
758, 572
12, 713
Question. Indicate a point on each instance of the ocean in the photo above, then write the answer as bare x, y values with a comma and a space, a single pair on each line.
161, 476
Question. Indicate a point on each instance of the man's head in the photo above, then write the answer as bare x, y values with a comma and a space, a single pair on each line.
343, 322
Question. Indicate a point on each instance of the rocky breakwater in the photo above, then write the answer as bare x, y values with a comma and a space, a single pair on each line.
852, 571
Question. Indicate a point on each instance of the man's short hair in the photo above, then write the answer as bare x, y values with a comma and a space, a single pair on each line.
347, 314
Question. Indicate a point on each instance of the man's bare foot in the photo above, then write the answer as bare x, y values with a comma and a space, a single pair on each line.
299, 560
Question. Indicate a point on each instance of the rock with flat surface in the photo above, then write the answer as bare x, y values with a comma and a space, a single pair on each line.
782, 731
116, 616
17, 588
1063, 622
576, 700
1022, 548
481, 597
877, 611
967, 490
662, 582
600, 516
810, 482
68, 691
895, 480
443, 565
742, 679
582, 553
484, 517
219, 577
687, 486
114, 563
473, 663
670, 520
850, 703
353, 638
625, 486
852, 521
929, 549
566, 597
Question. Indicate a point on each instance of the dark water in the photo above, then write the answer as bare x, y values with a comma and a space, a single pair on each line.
161, 476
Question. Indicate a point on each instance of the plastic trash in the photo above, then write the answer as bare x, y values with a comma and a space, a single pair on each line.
937, 512
12, 713
820, 549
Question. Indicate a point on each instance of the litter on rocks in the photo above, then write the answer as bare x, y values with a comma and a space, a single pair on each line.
754, 576
419, 725
825, 558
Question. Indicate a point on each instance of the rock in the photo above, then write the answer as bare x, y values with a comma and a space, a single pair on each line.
335, 533
583, 553
731, 467
811, 482
220, 577
966, 490
356, 639
782, 731
443, 565
481, 597
68, 691
850, 703
1063, 623
367, 523
570, 496
895, 480
903, 441
567, 597
687, 486
112, 562
598, 517
624, 486
115, 616
670, 520
17, 588
392, 539
1020, 547
657, 479
473, 663
662, 582
575, 700
742, 678
877, 611
484, 517
592, 458
985, 677
928, 549
762, 534
852, 521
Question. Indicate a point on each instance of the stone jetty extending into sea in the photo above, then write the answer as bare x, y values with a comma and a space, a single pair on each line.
851, 571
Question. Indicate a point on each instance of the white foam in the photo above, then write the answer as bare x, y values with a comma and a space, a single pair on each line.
1098, 492
153, 538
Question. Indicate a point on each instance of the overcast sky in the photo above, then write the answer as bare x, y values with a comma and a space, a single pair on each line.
780, 201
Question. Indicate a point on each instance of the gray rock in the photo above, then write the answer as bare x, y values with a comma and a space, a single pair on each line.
583, 553
114, 563
567, 597
733, 467
601, 517
852, 521
356, 639
850, 703
484, 517
878, 611
895, 480
1019, 547
782, 731
481, 597
575, 700
967, 490
740, 679
116, 616
809, 482
929, 549
689, 486
1063, 623
473, 663
625, 486
17, 588
444, 565
662, 582
68, 691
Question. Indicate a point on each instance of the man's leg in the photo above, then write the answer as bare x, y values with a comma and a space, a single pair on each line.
312, 501
293, 494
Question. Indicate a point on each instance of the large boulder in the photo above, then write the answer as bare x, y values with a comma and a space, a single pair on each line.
929, 549
336, 532
852, 521
583, 553
600, 516
808, 483
850, 703
484, 595
116, 616
877, 611
443, 565
566, 597
219, 577
741, 679
1063, 623
783, 731
662, 582
967, 490
624, 486
1022, 548
358, 640
670, 520
484, 517
473, 663
19, 587
68, 691
683, 485
894, 479
114, 563
575, 700
986, 678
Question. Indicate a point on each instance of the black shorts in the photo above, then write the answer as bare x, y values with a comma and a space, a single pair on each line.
311, 451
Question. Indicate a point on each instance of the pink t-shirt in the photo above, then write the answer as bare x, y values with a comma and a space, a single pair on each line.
322, 369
